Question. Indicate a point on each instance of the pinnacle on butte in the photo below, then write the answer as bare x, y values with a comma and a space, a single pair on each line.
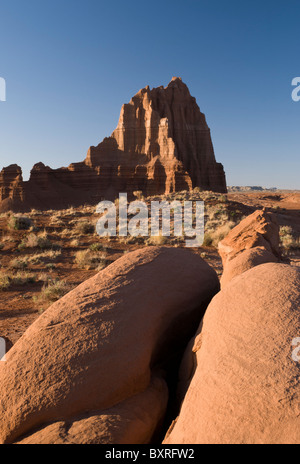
162, 144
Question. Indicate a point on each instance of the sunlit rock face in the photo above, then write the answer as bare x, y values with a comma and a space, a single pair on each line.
164, 129
162, 144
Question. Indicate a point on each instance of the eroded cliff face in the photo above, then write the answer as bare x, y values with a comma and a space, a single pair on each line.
11, 187
162, 144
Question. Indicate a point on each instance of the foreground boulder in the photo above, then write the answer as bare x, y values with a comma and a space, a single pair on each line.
133, 421
91, 368
246, 386
260, 229
245, 261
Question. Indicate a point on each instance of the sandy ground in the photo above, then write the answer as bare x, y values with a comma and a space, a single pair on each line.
18, 310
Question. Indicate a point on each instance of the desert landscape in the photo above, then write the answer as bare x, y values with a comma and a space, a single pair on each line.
60, 249
110, 319
136, 339
149, 225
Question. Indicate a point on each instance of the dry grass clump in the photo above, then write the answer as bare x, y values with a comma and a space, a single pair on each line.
75, 243
23, 262
52, 291
4, 282
98, 247
78, 229
212, 237
130, 240
219, 222
56, 221
21, 278
8, 239
41, 241
87, 259
44, 257
222, 232
19, 263
67, 233
84, 228
157, 240
208, 240
20, 223
71, 212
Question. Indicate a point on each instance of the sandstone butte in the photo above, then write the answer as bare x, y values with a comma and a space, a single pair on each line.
161, 145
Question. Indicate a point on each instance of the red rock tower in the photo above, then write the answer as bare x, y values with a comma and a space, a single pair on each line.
162, 144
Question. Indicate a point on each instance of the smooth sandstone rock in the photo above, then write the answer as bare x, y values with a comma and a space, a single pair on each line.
101, 344
130, 422
246, 386
245, 261
260, 229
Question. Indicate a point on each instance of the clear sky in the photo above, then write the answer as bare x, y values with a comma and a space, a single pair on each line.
69, 65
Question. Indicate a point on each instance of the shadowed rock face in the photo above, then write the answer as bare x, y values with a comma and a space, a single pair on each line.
245, 388
162, 144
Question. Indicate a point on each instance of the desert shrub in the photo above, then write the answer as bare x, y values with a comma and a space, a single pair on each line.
35, 241
221, 232
50, 266
97, 247
87, 259
8, 239
288, 239
208, 240
19, 263
75, 243
44, 277
52, 291
157, 241
70, 212
285, 231
20, 223
56, 221
44, 257
23, 278
4, 282
130, 240
84, 228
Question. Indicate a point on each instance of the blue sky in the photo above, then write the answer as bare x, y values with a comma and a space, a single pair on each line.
69, 65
